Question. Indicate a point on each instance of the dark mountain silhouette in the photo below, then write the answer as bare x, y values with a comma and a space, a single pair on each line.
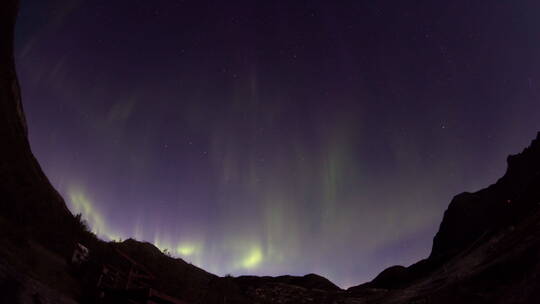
25, 189
487, 246
486, 251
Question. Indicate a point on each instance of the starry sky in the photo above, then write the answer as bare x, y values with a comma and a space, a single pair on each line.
277, 137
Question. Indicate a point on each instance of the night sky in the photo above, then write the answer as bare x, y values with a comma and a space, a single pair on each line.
277, 137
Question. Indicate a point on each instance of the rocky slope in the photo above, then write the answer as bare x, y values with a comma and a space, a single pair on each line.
486, 250
37, 231
26, 191
487, 240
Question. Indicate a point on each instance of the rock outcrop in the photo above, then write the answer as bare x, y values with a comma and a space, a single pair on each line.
474, 226
473, 215
27, 195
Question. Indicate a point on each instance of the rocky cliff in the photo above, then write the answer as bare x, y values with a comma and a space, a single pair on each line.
472, 215
37, 231
27, 194
499, 223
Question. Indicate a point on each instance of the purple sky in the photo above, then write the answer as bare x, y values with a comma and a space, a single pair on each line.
277, 137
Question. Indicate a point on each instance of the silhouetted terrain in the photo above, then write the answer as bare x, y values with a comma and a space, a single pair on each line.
487, 247
486, 251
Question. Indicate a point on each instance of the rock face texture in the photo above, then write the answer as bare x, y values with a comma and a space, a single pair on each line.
486, 251
26, 192
28, 202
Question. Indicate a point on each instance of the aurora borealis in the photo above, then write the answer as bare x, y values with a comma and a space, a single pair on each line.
279, 137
